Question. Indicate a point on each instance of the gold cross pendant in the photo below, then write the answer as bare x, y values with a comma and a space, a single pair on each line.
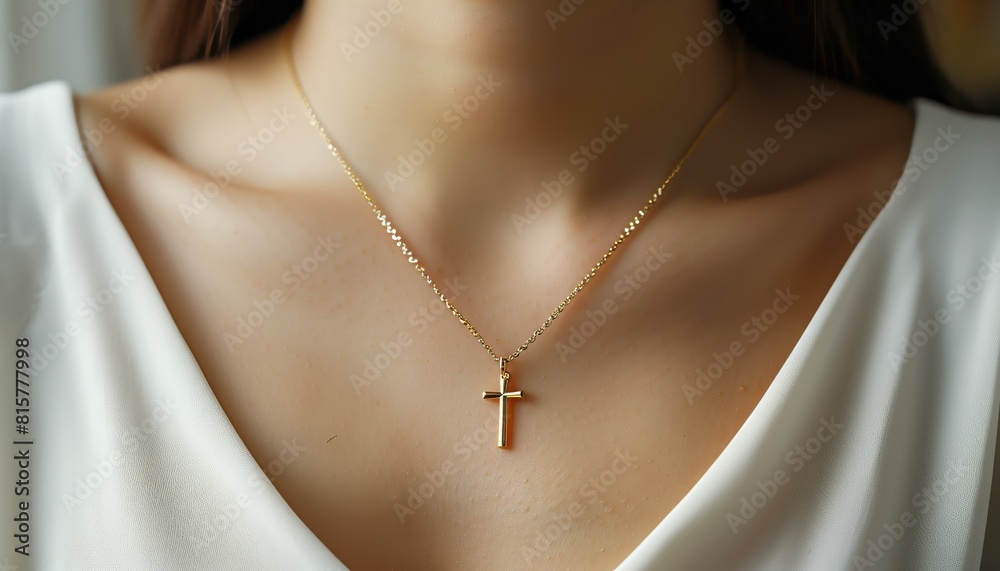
503, 395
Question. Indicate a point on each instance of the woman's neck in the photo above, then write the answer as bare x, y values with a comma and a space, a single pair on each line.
447, 96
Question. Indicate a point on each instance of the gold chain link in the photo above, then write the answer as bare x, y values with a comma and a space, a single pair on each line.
397, 238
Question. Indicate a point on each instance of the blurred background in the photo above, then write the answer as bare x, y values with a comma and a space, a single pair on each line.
87, 43
90, 43
966, 38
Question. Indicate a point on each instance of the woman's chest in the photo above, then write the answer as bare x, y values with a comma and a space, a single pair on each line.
361, 396
384, 446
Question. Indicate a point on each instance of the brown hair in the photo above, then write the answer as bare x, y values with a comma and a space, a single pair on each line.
859, 42
180, 31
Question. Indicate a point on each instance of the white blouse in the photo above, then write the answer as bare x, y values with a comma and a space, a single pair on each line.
872, 449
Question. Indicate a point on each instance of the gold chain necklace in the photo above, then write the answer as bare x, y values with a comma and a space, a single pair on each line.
503, 394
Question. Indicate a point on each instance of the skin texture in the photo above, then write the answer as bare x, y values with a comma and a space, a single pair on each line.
367, 443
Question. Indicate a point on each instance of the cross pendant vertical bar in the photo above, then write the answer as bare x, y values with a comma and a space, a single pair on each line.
502, 397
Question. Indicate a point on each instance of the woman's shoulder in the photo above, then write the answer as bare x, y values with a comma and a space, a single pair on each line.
948, 192
41, 155
957, 145
199, 117
35, 122
165, 108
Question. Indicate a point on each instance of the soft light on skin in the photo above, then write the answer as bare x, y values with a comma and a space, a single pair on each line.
557, 86
557, 90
